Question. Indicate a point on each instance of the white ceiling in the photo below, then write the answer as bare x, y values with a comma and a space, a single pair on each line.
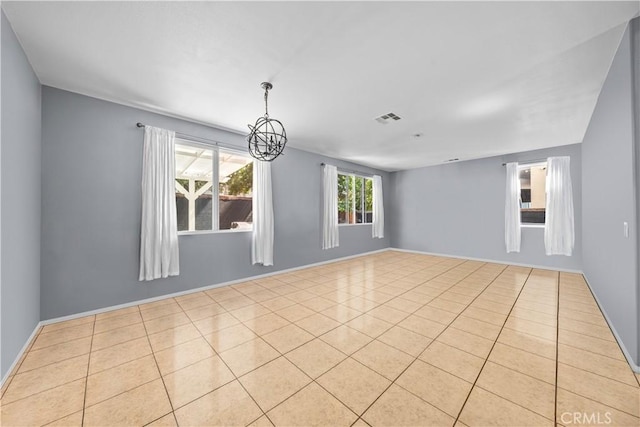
476, 79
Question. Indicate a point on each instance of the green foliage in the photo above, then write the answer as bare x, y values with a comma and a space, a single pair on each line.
184, 183
200, 184
240, 182
344, 190
351, 189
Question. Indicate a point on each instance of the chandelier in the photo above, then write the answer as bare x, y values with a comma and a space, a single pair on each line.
267, 137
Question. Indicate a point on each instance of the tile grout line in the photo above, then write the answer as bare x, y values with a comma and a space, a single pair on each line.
59, 385
597, 374
53, 345
53, 363
515, 403
314, 338
358, 416
86, 378
492, 347
62, 328
125, 391
436, 337
590, 336
94, 324
499, 364
586, 283
596, 354
452, 268
157, 366
26, 353
375, 288
313, 380
444, 291
349, 320
555, 388
600, 403
235, 377
50, 388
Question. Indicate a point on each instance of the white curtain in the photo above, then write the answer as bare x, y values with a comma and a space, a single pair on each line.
378, 208
512, 209
159, 230
262, 247
330, 237
559, 235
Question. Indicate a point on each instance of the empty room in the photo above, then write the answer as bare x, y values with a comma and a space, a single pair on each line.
325, 213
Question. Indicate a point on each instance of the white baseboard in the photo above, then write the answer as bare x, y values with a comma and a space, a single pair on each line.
203, 288
627, 355
635, 367
20, 353
625, 351
493, 261
175, 294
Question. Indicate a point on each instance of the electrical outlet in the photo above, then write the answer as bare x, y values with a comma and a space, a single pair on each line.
625, 228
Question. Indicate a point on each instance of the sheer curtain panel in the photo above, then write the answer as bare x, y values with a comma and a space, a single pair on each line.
378, 208
512, 209
330, 236
262, 246
559, 237
159, 229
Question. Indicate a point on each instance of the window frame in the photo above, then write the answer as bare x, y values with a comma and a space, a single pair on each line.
215, 186
522, 167
363, 202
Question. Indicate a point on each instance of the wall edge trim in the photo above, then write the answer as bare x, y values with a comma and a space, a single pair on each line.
202, 288
24, 348
42, 323
540, 267
625, 351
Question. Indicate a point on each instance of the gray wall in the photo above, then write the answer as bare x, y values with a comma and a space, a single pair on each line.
91, 173
458, 209
635, 72
610, 259
20, 178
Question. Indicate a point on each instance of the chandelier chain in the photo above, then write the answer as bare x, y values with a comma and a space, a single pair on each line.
266, 105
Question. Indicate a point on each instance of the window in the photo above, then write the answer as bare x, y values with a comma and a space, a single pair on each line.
532, 193
355, 199
213, 188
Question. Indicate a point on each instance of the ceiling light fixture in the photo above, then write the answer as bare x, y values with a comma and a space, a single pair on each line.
268, 137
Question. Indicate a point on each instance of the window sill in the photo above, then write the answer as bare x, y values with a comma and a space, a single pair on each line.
531, 225
352, 225
192, 233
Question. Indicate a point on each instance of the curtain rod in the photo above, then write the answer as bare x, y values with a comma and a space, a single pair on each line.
529, 162
368, 175
194, 138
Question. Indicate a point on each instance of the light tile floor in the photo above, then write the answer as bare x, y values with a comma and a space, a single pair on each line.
386, 339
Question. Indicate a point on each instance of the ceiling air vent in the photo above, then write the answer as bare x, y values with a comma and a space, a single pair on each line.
452, 160
387, 118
